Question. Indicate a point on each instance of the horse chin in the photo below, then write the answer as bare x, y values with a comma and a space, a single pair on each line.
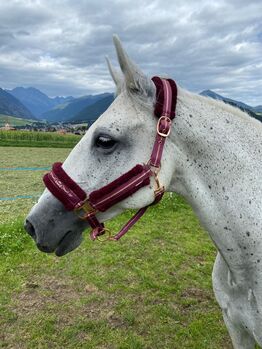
68, 243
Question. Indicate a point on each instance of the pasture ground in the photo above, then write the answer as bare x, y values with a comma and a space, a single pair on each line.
152, 290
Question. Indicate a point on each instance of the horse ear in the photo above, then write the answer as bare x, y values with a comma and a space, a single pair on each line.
116, 76
136, 81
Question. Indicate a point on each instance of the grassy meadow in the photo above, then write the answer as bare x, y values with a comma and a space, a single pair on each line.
152, 290
37, 139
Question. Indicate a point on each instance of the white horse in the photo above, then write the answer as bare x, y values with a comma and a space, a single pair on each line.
213, 158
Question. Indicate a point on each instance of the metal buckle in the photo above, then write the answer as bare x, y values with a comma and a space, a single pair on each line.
107, 236
166, 118
87, 208
159, 188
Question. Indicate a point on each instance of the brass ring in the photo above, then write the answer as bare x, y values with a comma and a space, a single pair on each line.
107, 236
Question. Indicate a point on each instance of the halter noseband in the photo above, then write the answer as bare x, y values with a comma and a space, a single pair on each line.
73, 197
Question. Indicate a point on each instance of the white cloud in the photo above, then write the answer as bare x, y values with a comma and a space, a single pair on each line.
59, 46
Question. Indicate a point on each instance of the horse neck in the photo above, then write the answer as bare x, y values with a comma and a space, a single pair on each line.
217, 163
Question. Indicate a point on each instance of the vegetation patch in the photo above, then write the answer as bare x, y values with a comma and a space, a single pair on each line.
37, 139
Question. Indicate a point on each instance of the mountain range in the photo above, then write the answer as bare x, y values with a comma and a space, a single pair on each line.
252, 111
10, 105
92, 112
31, 103
36, 101
68, 112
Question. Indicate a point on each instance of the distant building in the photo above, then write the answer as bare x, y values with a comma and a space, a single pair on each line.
62, 131
7, 127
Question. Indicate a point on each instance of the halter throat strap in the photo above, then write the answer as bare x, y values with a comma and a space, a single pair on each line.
73, 197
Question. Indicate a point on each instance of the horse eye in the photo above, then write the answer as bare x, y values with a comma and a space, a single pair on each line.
105, 142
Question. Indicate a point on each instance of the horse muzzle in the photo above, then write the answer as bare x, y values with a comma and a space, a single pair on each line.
52, 228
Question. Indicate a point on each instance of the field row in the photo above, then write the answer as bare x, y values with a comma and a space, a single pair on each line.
37, 139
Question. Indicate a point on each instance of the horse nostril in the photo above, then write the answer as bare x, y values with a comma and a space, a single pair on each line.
44, 248
30, 228
31, 231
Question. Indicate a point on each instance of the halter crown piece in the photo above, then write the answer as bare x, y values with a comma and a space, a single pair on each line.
73, 197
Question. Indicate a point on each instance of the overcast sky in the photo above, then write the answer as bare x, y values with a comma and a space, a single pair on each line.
59, 46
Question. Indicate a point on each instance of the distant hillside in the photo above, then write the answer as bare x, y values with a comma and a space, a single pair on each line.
92, 112
68, 111
258, 109
9, 105
13, 121
252, 111
36, 101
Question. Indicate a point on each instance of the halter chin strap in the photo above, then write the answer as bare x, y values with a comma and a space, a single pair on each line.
73, 197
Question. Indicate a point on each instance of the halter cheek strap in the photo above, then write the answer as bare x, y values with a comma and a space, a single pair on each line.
73, 197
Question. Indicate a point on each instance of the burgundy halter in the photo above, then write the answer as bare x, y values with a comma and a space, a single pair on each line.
73, 197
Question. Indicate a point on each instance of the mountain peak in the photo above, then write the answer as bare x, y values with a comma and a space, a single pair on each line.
21, 91
212, 94
67, 111
206, 92
252, 111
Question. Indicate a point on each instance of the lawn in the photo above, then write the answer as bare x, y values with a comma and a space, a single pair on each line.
152, 290
14, 183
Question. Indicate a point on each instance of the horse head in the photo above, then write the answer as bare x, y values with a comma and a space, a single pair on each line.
122, 137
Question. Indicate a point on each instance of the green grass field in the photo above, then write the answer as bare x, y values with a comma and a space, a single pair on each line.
151, 290
37, 139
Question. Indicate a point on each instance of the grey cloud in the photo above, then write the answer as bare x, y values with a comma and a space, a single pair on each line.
24, 14
22, 33
59, 46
